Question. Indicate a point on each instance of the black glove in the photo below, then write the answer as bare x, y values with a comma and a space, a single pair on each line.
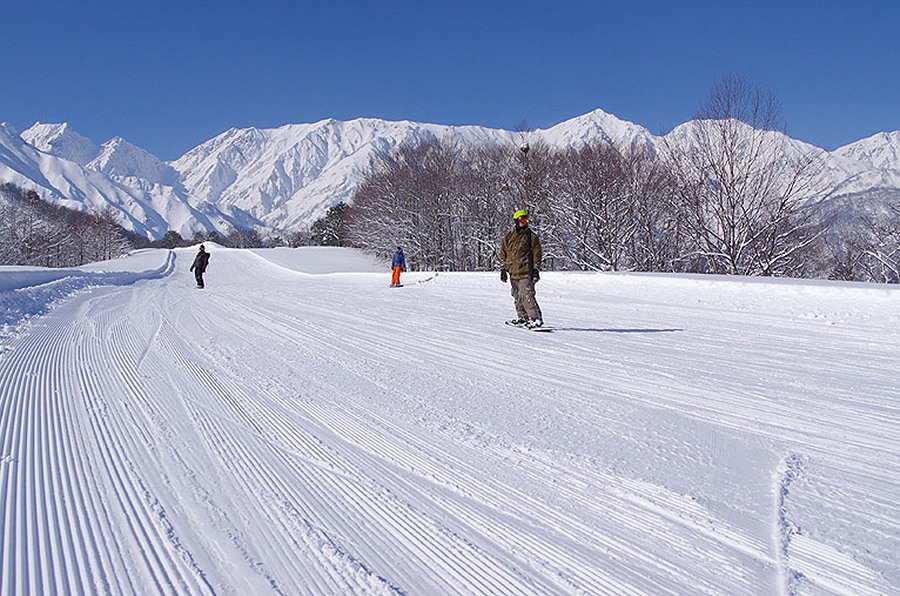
504, 276
535, 275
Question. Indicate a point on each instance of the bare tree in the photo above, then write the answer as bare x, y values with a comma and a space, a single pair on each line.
107, 240
741, 182
879, 248
36, 232
485, 203
437, 199
657, 240
593, 206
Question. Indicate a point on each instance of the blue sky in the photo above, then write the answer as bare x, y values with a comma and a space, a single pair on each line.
168, 76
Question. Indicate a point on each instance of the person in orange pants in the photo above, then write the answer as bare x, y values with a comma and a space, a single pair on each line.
398, 264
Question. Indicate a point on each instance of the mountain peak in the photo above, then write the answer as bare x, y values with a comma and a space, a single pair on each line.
880, 151
119, 158
595, 125
61, 140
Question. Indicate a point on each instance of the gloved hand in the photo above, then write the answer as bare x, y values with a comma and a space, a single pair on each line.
535, 275
504, 276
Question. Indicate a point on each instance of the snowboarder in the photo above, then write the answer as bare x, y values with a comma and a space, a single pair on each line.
520, 256
199, 265
398, 264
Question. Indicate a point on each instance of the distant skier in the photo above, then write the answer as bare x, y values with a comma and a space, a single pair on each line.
398, 264
520, 254
199, 265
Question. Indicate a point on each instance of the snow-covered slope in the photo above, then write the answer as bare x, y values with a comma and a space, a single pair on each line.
595, 127
872, 164
62, 166
73, 185
880, 151
62, 141
120, 159
287, 177
305, 429
290, 176
115, 158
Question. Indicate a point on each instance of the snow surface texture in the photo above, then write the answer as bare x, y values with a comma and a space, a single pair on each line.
299, 427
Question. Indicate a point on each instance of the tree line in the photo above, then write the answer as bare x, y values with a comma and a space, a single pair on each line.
37, 233
726, 194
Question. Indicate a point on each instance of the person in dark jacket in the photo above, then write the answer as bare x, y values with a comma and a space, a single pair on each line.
199, 265
398, 264
520, 256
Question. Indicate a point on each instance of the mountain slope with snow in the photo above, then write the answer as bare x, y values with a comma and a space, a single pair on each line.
62, 141
290, 176
881, 151
73, 185
300, 427
596, 127
120, 159
287, 177
118, 176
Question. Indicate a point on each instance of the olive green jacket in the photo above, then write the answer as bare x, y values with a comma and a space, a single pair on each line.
520, 252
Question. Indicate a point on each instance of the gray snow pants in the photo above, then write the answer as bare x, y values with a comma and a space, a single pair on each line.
523, 296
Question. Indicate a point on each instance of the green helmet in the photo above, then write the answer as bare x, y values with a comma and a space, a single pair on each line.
520, 213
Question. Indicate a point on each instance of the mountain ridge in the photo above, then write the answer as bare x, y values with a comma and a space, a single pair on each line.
286, 177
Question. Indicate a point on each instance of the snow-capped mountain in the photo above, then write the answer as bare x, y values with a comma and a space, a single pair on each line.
881, 151
118, 158
287, 177
75, 173
842, 172
597, 126
290, 176
67, 182
62, 141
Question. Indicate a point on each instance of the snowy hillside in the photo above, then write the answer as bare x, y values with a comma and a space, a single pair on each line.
290, 176
115, 158
287, 177
301, 428
596, 127
880, 151
120, 159
843, 172
65, 167
62, 141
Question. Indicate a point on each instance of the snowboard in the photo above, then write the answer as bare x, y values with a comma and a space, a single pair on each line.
543, 328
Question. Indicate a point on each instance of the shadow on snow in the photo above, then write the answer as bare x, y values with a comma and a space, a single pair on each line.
588, 329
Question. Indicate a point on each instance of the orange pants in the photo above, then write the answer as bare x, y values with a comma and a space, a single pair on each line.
395, 278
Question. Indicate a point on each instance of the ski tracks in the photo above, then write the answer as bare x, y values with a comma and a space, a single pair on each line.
76, 517
788, 472
283, 434
547, 536
805, 560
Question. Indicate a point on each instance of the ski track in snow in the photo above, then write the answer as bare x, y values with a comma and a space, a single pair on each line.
293, 433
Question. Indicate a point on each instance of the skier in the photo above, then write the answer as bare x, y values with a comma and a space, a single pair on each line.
520, 253
199, 265
398, 264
